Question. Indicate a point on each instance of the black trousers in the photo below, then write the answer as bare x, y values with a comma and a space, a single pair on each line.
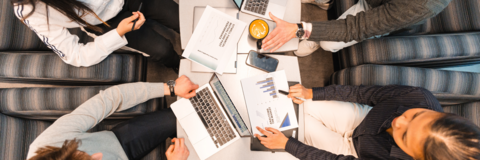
150, 38
140, 135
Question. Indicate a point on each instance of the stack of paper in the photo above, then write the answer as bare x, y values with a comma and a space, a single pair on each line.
214, 40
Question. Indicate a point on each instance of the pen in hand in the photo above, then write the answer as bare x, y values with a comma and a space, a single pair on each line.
286, 93
135, 21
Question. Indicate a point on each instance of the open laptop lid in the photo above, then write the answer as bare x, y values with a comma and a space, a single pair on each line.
238, 3
228, 106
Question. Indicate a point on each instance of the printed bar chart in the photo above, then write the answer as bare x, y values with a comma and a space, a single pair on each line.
269, 87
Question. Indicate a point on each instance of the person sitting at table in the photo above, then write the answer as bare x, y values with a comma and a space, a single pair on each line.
132, 139
376, 122
366, 19
51, 19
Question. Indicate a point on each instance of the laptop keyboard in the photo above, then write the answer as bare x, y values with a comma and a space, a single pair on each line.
212, 117
257, 6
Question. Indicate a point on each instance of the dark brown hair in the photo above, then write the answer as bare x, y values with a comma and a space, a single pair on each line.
453, 137
67, 7
68, 151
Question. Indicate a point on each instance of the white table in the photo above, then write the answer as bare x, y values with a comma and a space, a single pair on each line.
246, 43
241, 149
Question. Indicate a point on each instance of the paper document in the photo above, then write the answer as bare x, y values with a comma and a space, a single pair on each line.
214, 40
266, 106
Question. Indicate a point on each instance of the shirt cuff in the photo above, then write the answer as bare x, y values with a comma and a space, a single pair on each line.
318, 93
307, 28
292, 146
113, 41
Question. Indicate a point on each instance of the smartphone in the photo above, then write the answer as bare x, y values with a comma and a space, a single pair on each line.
261, 61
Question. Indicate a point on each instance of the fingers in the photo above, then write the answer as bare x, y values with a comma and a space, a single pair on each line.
297, 101
260, 137
133, 17
263, 131
273, 38
277, 47
169, 150
191, 94
275, 19
177, 143
141, 20
273, 130
182, 143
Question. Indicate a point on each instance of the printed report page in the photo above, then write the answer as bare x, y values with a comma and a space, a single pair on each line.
214, 40
266, 106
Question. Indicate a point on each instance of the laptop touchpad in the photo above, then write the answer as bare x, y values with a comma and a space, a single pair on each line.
194, 128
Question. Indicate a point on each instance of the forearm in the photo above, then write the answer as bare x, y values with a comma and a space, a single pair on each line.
386, 18
305, 152
369, 95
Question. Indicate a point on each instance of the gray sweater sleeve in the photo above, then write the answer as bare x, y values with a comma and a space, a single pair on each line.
94, 110
391, 16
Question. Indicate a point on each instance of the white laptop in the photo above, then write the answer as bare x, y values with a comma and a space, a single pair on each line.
261, 8
210, 119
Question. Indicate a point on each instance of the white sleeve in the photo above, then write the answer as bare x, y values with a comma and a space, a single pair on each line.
67, 46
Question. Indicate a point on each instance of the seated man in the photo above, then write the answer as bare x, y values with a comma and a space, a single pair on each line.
366, 19
376, 122
132, 139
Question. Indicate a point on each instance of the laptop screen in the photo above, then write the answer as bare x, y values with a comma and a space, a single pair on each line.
238, 3
228, 106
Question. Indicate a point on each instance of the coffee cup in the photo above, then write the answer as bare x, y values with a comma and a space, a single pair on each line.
258, 29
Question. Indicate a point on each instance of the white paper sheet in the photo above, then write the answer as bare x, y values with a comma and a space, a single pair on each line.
266, 106
214, 40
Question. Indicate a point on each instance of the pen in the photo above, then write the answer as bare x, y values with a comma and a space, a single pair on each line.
135, 21
286, 93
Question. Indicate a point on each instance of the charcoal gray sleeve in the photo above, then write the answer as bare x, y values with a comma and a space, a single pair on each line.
306, 152
391, 16
370, 95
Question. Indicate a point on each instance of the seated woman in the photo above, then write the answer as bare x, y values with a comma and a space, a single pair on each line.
111, 20
375, 122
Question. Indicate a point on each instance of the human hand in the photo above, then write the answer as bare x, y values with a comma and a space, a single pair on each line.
280, 35
183, 87
299, 91
177, 151
126, 24
274, 140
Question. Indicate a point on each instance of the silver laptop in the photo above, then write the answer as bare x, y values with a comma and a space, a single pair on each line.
261, 8
210, 119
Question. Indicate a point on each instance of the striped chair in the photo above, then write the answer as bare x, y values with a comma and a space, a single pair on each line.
47, 67
450, 38
458, 92
25, 58
16, 134
52, 103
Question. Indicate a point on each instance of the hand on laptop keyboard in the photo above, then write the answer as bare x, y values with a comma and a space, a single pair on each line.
184, 87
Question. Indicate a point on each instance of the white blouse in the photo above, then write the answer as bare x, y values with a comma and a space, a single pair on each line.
56, 36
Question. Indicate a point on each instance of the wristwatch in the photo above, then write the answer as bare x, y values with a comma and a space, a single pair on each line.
300, 31
171, 85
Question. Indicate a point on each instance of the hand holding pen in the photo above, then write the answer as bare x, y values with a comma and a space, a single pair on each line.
298, 93
131, 23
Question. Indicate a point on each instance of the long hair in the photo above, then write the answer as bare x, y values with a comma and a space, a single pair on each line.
73, 9
453, 137
68, 151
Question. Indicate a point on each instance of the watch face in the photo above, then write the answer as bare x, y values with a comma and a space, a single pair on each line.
171, 82
300, 33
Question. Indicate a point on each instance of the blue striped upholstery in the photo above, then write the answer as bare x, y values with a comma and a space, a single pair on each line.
458, 92
426, 50
16, 135
51, 103
450, 87
47, 66
468, 110
458, 16
14, 35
